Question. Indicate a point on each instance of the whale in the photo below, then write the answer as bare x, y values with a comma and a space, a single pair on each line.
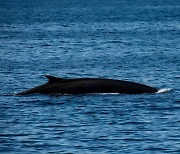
63, 86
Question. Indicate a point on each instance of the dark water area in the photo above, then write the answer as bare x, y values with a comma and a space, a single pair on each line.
130, 40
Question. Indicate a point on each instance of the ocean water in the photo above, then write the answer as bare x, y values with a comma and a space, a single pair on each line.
130, 40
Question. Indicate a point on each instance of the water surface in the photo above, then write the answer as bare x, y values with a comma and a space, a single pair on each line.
130, 40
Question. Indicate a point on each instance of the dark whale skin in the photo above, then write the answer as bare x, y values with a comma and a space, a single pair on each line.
89, 85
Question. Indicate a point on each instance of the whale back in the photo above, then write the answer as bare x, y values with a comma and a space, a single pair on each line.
89, 85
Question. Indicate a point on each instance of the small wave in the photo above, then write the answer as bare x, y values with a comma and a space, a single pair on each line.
45, 45
164, 90
59, 94
7, 95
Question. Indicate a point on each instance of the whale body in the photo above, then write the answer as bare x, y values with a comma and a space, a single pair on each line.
62, 86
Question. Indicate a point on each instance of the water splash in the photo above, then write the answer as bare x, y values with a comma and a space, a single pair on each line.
164, 90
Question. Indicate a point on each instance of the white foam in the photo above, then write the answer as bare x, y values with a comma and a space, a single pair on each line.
164, 90
106, 93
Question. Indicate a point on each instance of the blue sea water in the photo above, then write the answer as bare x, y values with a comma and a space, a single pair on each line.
121, 39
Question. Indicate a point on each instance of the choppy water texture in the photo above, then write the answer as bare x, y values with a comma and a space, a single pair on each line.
132, 40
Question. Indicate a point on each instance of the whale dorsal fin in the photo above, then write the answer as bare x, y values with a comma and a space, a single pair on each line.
53, 79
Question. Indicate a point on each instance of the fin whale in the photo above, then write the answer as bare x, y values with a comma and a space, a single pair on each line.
62, 86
